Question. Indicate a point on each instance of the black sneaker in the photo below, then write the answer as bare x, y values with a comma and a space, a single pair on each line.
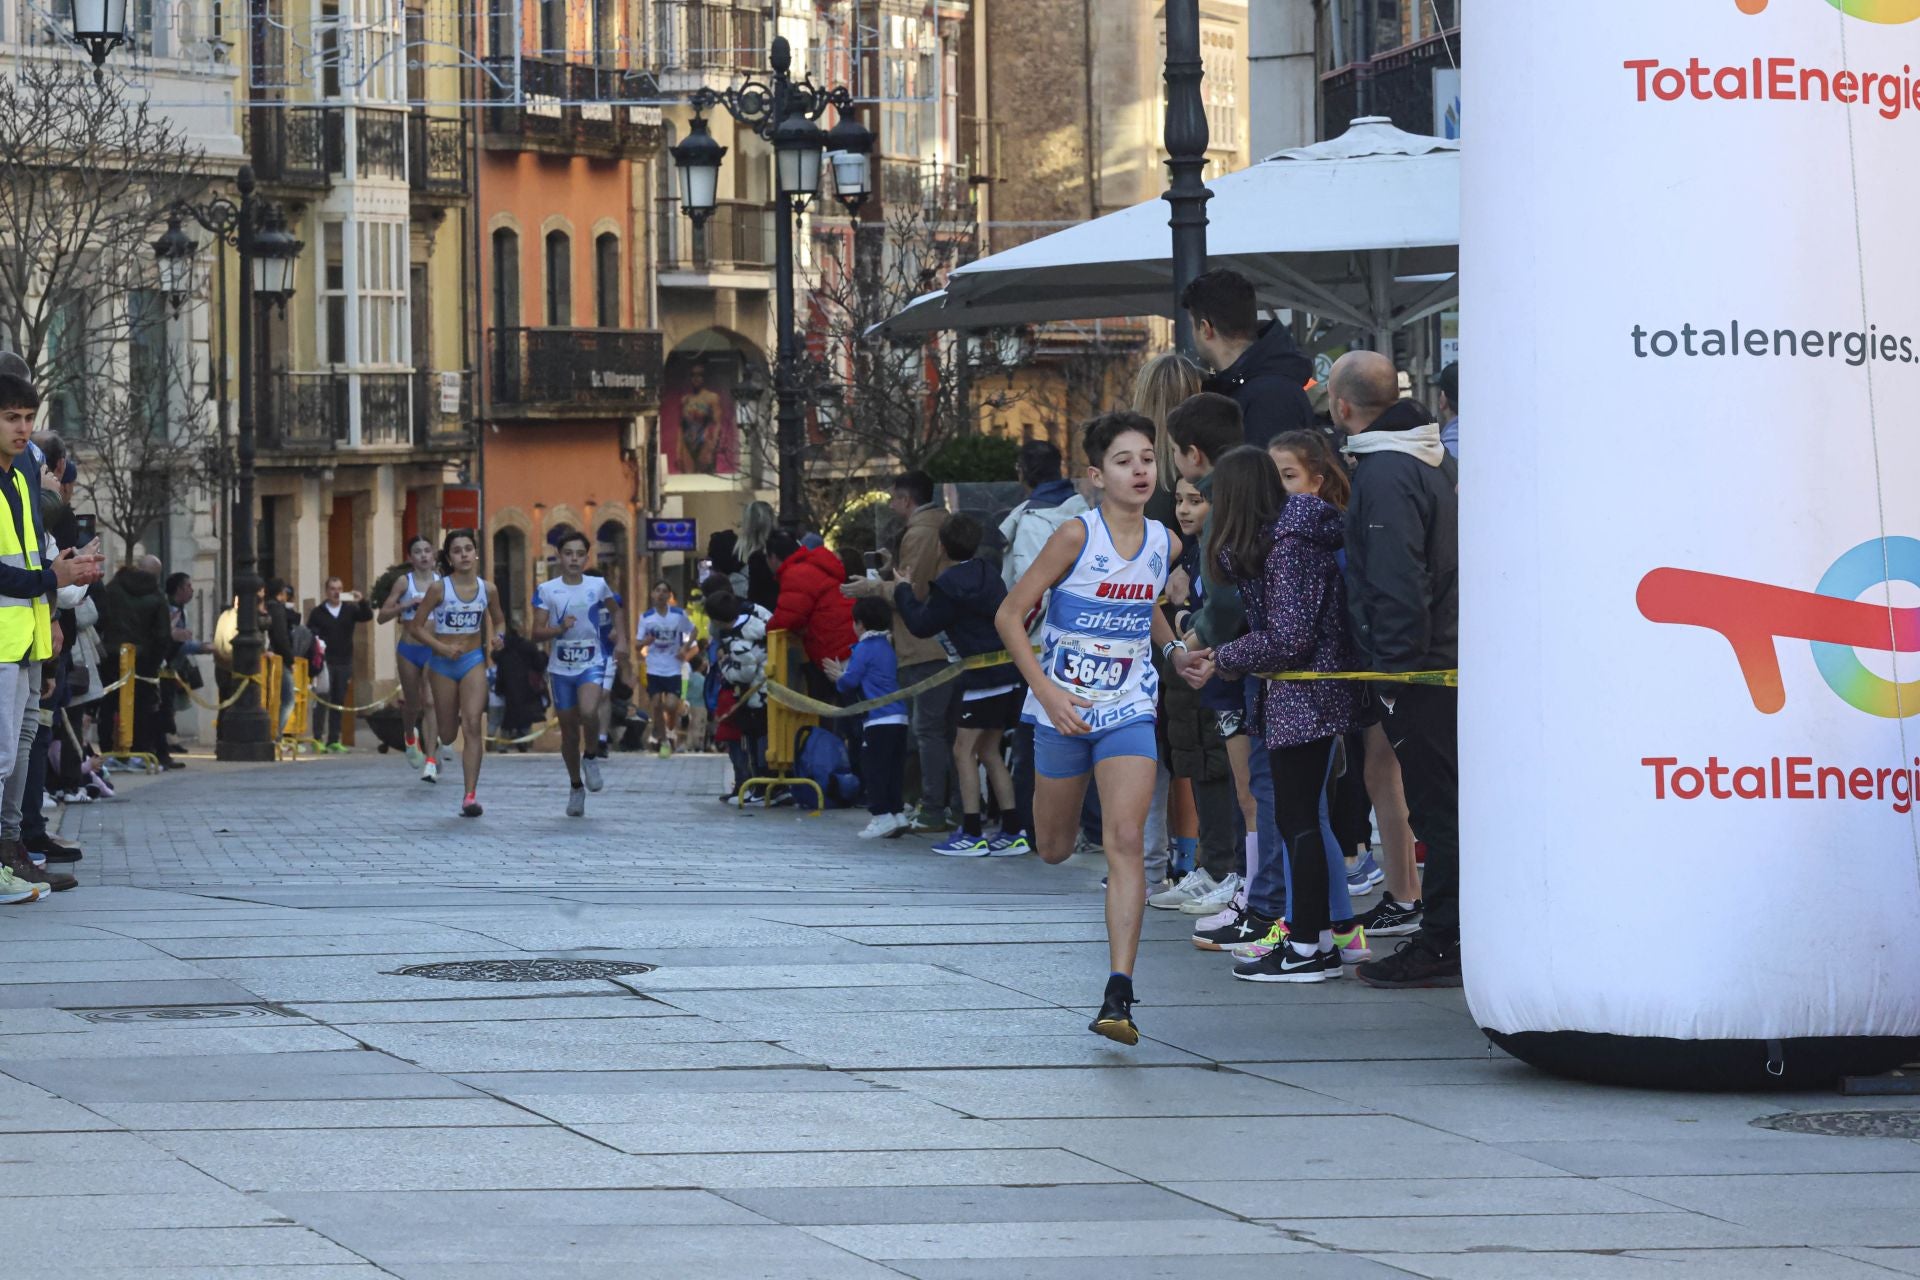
1115, 1019
1390, 919
1284, 964
1418, 962
52, 848
1245, 927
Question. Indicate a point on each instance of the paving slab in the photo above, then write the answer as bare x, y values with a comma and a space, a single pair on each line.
1249, 1266
874, 1169
587, 1044
1175, 1238
1384, 1196
1111, 1092
1697, 1264
1074, 1202
524, 1084
599, 1004
120, 995
334, 1113
1881, 1210
234, 1077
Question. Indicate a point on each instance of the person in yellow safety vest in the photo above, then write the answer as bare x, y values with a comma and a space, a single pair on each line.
26, 615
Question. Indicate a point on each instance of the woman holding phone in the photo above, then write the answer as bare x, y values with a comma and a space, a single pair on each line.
459, 621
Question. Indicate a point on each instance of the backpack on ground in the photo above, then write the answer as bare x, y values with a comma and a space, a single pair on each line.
819, 754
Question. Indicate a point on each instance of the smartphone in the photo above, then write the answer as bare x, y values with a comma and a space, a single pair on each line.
874, 560
85, 526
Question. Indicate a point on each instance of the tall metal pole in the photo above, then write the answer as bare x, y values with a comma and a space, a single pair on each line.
789, 430
1186, 142
244, 732
1363, 36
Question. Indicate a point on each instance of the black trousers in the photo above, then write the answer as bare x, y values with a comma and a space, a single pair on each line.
340, 690
1424, 728
885, 754
1222, 846
1349, 808
1299, 779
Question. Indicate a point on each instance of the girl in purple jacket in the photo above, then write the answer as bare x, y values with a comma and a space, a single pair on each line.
1281, 552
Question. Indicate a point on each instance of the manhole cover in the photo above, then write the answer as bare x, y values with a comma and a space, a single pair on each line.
1847, 1124
522, 970
185, 1013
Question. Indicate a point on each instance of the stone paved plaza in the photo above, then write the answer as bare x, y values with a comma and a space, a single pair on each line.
853, 1060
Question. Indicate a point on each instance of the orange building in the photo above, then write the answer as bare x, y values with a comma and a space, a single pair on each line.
571, 383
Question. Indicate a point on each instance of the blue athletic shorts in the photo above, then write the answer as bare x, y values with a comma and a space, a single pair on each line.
418, 654
566, 687
1055, 755
455, 669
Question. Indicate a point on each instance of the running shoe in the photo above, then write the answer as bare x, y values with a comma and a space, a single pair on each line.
1083, 845
13, 889
1195, 884
1256, 949
1115, 1019
430, 771
1366, 875
962, 845
1390, 919
590, 770
1008, 844
1353, 945
1245, 927
470, 808
666, 751
1214, 900
576, 803
930, 822
416, 758
1284, 964
1416, 962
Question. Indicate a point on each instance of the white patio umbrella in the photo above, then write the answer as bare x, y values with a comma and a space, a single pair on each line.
1362, 231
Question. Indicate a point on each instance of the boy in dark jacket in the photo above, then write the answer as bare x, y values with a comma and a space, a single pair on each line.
874, 672
961, 604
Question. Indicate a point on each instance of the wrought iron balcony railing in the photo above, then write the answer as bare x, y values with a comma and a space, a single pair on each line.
437, 155
575, 372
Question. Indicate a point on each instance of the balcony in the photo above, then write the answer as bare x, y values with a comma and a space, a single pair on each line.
307, 412
380, 144
574, 373
565, 108
1402, 86
738, 237
437, 158
726, 36
289, 147
386, 405
941, 189
434, 426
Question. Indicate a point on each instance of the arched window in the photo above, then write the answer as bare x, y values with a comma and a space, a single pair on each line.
506, 279
559, 279
509, 569
606, 280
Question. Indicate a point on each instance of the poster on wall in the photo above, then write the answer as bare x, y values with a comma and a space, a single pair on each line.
1710, 669
699, 418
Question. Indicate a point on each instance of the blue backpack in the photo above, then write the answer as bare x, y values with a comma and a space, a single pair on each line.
819, 754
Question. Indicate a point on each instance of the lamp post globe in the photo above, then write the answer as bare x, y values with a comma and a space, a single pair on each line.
798, 144
276, 256
850, 149
175, 252
99, 26
698, 157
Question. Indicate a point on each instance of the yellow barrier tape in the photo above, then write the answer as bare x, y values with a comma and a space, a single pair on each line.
1450, 679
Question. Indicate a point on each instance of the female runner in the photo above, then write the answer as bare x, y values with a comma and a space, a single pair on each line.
459, 620
402, 603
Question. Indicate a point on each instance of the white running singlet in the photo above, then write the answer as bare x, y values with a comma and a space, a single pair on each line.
1097, 638
411, 598
456, 617
581, 647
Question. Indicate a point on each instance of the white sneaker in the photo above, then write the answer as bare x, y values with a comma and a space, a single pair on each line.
1214, 899
576, 803
1196, 883
879, 827
14, 889
431, 771
415, 756
590, 771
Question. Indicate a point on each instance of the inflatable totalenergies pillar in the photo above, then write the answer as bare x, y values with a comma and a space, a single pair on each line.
1691, 525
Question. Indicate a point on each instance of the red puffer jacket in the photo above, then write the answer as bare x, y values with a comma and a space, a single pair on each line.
811, 605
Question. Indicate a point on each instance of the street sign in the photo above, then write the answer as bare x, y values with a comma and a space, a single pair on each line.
459, 508
671, 535
450, 393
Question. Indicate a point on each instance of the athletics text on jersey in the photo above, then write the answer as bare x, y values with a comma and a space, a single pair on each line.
584, 645
1097, 638
664, 635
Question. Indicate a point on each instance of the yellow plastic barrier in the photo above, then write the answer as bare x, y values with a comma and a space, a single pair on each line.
298, 735
123, 722
785, 659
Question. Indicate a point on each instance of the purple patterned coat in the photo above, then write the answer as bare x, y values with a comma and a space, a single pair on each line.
1297, 621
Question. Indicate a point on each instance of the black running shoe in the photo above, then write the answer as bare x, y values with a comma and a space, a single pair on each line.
1284, 964
1115, 1019
1243, 928
1390, 919
1417, 962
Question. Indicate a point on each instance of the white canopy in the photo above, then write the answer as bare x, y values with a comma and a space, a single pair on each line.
1362, 230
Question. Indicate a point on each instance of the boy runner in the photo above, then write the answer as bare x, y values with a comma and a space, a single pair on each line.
668, 635
1091, 693
573, 611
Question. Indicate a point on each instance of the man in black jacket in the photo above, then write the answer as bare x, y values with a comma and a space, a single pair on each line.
1403, 575
1256, 364
332, 622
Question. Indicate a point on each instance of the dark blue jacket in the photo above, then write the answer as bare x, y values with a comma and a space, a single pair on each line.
961, 603
873, 672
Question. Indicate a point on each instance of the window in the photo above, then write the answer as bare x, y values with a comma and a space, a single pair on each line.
147, 361
1220, 88
606, 280
67, 361
553, 28
333, 293
382, 262
559, 279
506, 279
605, 32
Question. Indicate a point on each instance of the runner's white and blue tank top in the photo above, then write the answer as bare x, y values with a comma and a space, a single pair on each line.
415, 593
456, 617
586, 645
1097, 640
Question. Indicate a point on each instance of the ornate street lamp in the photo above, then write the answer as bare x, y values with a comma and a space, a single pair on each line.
276, 258
698, 158
100, 26
175, 252
850, 151
798, 144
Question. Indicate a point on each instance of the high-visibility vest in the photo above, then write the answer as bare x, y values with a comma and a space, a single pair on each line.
26, 624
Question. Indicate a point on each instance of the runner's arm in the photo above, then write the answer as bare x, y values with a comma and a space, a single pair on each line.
391, 609
416, 631
1054, 562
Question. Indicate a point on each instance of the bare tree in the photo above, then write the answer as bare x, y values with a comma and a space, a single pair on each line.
86, 175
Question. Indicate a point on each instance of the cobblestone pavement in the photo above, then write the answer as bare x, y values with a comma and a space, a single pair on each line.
853, 1059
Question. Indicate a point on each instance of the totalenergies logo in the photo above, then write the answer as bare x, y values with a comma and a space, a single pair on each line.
1754, 615
1892, 12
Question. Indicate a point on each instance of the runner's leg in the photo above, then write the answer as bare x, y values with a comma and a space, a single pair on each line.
570, 742
1126, 792
446, 706
472, 705
1056, 815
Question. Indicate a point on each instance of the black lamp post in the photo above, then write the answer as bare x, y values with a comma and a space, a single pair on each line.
268, 258
1186, 142
785, 112
100, 26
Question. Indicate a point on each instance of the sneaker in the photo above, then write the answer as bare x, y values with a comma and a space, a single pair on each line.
576, 803
962, 845
1195, 884
1009, 844
1083, 845
15, 859
53, 848
1363, 877
1115, 1019
1245, 927
1353, 945
1416, 962
416, 758
880, 826
13, 889
590, 771
1390, 919
1214, 900
470, 807
1258, 948
902, 825
666, 751
430, 771
930, 822
1284, 964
